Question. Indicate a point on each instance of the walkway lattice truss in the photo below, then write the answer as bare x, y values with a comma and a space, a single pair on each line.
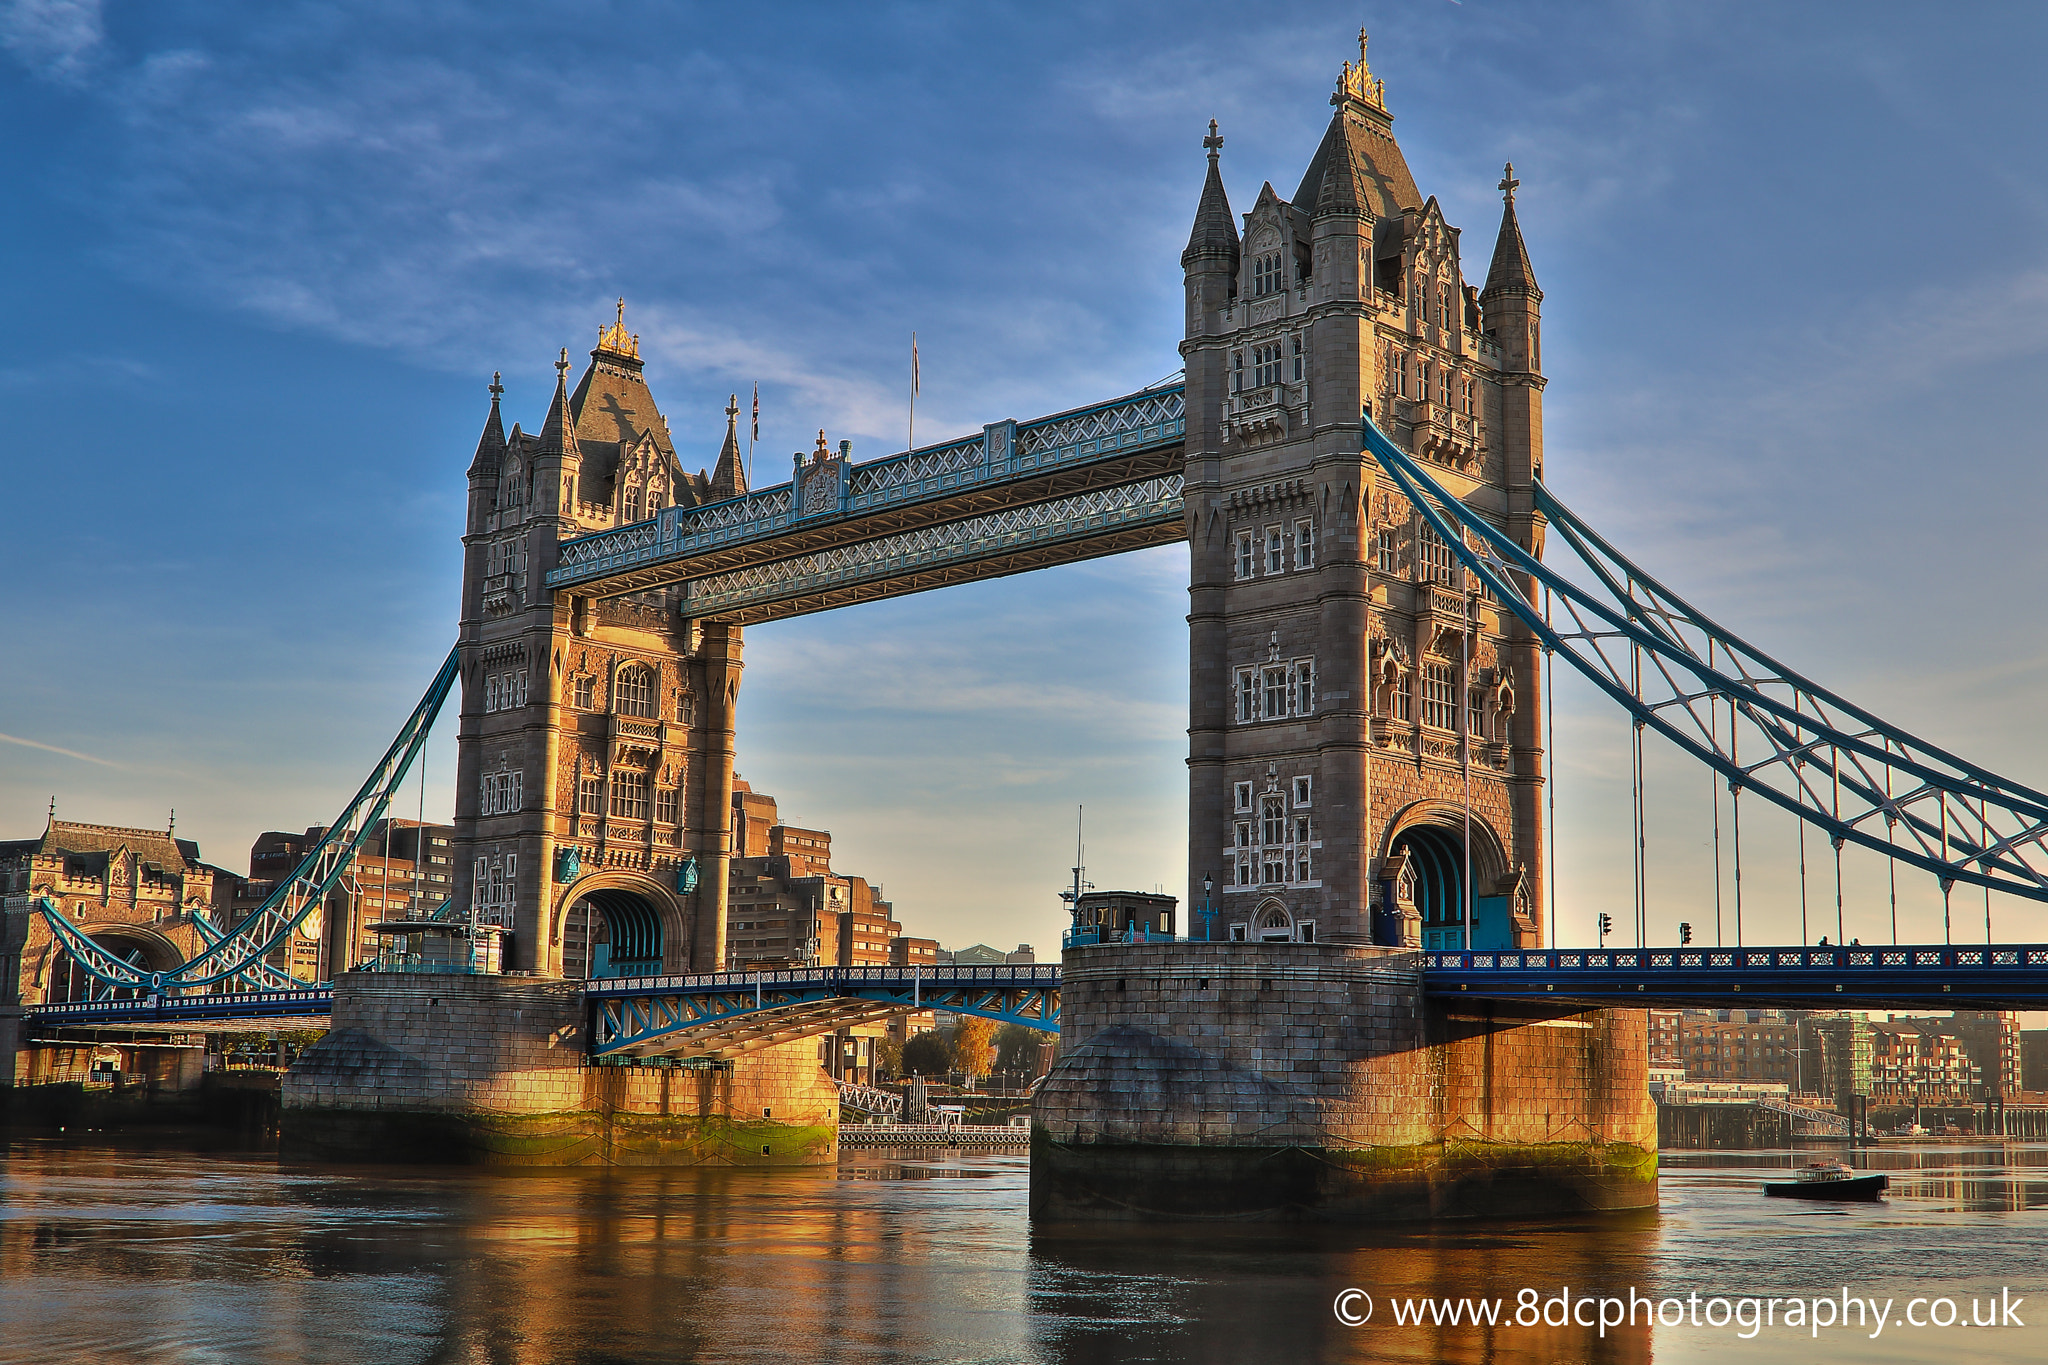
1097, 515
1762, 726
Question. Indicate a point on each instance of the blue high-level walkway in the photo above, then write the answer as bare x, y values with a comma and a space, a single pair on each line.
1015, 496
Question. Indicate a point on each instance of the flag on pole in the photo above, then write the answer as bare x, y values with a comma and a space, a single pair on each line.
910, 439
757, 414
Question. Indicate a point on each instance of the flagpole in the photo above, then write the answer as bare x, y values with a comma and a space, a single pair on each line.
753, 434
910, 442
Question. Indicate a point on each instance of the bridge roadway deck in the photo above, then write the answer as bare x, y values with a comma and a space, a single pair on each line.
720, 1013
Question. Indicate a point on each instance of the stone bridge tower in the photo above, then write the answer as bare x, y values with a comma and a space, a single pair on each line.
1352, 701
594, 776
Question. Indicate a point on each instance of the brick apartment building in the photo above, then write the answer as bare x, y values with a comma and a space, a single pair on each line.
1968, 1058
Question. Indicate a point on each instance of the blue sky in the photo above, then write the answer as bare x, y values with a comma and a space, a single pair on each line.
265, 257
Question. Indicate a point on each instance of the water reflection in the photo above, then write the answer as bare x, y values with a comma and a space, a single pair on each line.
132, 1254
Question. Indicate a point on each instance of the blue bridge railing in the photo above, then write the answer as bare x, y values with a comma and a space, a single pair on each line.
1077, 938
1839, 976
313, 1002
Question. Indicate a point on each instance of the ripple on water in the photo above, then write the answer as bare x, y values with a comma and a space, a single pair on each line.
109, 1253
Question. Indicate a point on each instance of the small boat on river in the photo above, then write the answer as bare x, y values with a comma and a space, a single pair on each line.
1828, 1180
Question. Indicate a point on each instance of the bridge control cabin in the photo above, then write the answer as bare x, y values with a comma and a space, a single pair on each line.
1122, 917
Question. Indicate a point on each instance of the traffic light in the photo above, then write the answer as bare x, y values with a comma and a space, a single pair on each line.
1684, 933
1606, 925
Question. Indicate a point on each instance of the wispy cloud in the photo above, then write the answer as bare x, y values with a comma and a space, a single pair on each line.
57, 39
54, 749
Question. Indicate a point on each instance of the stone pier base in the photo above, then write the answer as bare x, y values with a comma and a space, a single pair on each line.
491, 1069
1291, 1081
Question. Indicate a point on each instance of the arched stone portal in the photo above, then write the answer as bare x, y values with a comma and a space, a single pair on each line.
618, 924
1423, 881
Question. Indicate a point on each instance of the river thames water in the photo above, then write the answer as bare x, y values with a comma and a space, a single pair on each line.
138, 1253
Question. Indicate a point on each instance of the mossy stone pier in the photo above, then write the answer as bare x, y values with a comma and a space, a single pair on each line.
1298, 1081
493, 1070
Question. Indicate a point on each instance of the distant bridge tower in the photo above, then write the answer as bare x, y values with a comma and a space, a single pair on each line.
594, 778
1346, 693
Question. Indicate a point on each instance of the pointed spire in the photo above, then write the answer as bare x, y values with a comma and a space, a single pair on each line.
1215, 234
1510, 272
1343, 189
729, 480
558, 433
490, 447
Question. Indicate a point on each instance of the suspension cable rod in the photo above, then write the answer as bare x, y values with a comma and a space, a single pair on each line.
2012, 859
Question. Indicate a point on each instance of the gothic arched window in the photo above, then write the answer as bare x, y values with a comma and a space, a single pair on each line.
633, 691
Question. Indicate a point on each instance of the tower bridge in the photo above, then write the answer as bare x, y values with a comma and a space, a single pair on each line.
1379, 579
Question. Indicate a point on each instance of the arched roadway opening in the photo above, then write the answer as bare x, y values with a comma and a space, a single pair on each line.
1427, 851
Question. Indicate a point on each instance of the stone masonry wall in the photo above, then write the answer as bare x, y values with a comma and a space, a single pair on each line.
1187, 1061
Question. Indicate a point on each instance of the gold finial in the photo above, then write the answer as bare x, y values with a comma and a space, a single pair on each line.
1508, 184
823, 451
562, 366
1358, 82
617, 339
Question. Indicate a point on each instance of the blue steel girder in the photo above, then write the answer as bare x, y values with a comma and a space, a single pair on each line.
837, 503
729, 1013
2005, 976
1764, 728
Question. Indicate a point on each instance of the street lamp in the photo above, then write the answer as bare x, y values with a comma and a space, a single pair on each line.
1208, 884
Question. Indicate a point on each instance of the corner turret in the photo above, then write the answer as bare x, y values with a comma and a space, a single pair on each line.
1213, 245
729, 479
1510, 301
490, 447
